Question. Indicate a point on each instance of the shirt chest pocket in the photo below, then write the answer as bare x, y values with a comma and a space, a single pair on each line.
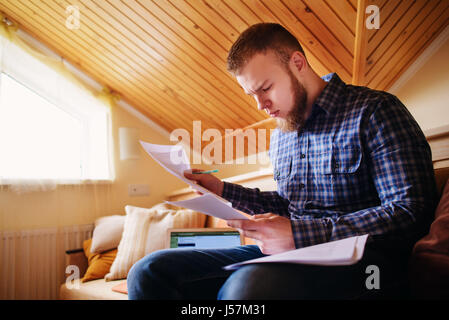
346, 160
282, 167
340, 160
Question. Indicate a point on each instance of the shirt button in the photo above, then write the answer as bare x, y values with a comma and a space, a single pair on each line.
303, 155
301, 186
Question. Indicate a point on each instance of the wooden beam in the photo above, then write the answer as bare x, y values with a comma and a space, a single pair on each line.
361, 39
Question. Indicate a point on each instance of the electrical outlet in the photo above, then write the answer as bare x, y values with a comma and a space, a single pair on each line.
138, 190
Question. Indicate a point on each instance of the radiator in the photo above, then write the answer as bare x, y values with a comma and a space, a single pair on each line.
32, 262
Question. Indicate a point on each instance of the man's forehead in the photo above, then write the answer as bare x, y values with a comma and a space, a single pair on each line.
260, 60
256, 71
250, 84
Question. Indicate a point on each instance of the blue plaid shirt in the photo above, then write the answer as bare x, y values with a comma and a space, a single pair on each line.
361, 164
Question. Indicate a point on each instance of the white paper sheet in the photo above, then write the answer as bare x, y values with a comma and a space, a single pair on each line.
335, 253
210, 205
174, 160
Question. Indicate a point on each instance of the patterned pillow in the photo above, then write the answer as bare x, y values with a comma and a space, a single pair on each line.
145, 231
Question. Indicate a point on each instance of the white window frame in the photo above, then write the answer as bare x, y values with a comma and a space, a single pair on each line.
15, 62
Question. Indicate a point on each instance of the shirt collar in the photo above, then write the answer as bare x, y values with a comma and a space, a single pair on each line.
330, 97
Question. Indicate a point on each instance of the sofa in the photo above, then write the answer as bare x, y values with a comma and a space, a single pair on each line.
97, 289
98, 271
429, 263
104, 286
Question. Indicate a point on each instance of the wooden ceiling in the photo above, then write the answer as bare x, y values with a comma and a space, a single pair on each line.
167, 57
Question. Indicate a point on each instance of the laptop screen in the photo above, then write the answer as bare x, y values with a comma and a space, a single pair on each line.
204, 239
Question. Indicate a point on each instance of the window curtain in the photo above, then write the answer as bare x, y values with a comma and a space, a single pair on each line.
52, 77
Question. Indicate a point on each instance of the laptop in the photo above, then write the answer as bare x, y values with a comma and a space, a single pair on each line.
199, 238
203, 238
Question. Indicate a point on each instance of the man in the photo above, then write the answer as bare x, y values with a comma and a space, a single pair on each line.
348, 161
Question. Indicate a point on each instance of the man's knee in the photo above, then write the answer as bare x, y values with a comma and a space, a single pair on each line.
146, 277
272, 281
253, 282
146, 266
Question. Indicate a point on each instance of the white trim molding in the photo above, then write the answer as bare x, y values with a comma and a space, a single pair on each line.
143, 118
420, 61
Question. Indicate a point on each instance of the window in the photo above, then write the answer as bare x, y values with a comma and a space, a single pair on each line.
51, 128
38, 140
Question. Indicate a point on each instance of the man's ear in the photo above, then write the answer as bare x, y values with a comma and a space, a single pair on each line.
298, 61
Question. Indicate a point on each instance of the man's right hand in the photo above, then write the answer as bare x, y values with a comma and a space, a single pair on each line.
208, 181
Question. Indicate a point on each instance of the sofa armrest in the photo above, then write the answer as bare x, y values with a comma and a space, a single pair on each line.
78, 258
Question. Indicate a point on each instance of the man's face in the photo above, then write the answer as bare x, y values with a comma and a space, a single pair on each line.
275, 89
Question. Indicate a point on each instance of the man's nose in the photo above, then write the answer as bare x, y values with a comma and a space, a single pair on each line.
262, 103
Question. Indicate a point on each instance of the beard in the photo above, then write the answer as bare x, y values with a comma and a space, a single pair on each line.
295, 119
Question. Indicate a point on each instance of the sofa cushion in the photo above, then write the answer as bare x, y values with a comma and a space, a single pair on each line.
98, 263
429, 265
441, 177
107, 233
430, 275
145, 231
437, 240
93, 290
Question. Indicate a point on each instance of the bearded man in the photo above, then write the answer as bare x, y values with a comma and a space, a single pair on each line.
347, 160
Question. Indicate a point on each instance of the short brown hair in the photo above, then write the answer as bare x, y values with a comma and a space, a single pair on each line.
258, 39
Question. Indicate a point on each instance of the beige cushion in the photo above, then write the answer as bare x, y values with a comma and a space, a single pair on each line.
92, 290
107, 233
145, 231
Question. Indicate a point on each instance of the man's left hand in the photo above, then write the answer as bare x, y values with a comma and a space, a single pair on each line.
273, 233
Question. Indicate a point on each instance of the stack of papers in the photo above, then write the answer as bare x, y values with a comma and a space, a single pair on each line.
335, 253
174, 160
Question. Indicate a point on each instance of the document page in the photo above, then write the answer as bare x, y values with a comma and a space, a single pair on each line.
174, 160
211, 206
335, 253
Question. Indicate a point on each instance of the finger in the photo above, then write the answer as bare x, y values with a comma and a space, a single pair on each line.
188, 174
233, 223
264, 215
197, 172
242, 224
251, 234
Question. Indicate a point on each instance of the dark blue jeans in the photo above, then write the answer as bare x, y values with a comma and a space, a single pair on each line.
198, 274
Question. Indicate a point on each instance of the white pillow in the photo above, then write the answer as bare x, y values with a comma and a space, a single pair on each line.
107, 233
145, 231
